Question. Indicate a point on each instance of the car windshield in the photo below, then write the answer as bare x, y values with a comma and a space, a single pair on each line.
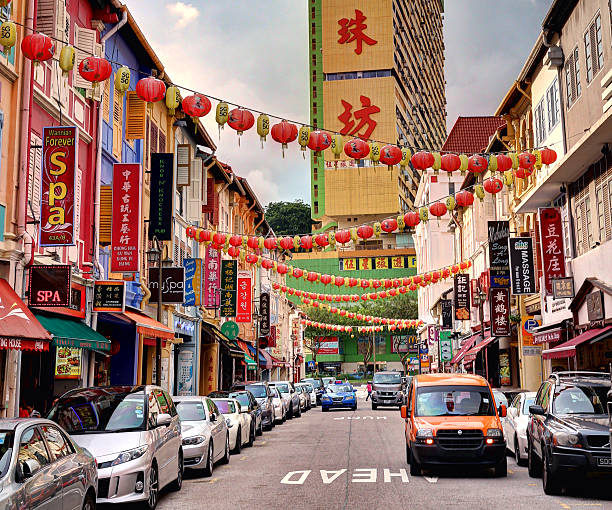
100, 410
528, 402
243, 398
500, 398
258, 390
310, 388
454, 401
274, 392
283, 388
191, 411
339, 388
387, 379
225, 406
6, 450
315, 382
580, 399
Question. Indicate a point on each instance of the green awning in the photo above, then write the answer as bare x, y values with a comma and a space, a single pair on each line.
249, 361
73, 333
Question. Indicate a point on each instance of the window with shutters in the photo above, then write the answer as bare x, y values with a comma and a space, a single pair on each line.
34, 177
183, 165
540, 127
552, 105
85, 42
106, 102
153, 140
118, 126
135, 116
573, 87
161, 141
176, 254
182, 254
593, 48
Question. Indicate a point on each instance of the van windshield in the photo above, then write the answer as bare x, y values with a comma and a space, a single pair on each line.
454, 401
387, 378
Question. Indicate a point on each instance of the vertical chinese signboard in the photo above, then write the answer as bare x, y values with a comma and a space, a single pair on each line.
193, 282
57, 204
500, 312
551, 245
447, 313
446, 347
243, 297
462, 297
212, 266
162, 195
125, 235
499, 232
264, 315
229, 273
522, 265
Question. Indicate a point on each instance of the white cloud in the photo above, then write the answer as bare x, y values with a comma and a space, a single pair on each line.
186, 13
263, 185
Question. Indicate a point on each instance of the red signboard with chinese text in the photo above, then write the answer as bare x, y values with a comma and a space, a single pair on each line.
212, 273
243, 297
551, 245
500, 311
57, 207
272, 337
125, 237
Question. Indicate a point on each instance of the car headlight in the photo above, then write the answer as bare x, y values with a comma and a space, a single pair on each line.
190, 441
229, 423
494, 433
422, 433
326, 397
566, 439
129, 455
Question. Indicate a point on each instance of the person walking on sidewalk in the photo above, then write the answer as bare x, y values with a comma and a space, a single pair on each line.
369, 388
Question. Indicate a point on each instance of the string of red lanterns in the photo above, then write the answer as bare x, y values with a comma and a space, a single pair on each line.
382, 323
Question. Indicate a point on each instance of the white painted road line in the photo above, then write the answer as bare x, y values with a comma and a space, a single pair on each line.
359, 475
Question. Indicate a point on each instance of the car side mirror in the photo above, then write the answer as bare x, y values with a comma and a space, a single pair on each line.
503, 411
404, 411
163, 420
537, 410
28, 468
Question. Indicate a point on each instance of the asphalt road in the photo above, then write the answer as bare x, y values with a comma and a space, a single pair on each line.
356, 460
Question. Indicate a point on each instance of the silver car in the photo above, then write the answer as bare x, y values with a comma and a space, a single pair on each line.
238, 423
205, 434
280, 407
515, 425
290, 396
134, 432
304, 395
41, 467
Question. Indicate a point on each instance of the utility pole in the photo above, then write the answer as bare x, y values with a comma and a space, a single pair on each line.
374, 351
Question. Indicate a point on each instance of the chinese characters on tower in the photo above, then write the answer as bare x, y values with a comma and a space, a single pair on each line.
362, 115
352, 30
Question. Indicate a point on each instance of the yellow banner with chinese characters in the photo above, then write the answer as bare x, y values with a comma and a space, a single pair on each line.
349, 265
397, 262
365, 264
382, 262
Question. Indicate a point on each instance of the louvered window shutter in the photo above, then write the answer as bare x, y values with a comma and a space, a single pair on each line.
106, 97
176, 254
594, 56
35, 176
85, 45
135, 117
183, 164
106, 214
118, 126
46, 17
194, 196
161, 141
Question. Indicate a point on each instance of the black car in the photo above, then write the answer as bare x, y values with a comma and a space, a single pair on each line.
317, 384
247, 400
568, 431
262, 394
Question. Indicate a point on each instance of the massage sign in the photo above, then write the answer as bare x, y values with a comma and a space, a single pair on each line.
57, 208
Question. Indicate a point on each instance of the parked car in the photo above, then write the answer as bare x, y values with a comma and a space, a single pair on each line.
568, 432
238, 423
318, 386
515, 425
339, 394
248, 404
261, 392
327, 381
304, 396
313, 394
292, 398
280, 409
205, 433
41, 467
451, 419
500, 397
134, 433
387, 389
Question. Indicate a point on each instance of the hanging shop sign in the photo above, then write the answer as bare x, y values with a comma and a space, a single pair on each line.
372, 263
528, 328
185, 373
125, 233
184, 327
432, 335
264, 315
446, 347
193, 282
272, 337
563, 288
229, 282
500, 312
522, 266
173, 284
595, 306
49, 286
552, 335
499, 265
162, 195
68, 362
551, 245
244, 297
447, 313
462, 297
109, 296
505, 372
474, 287
57, 204
328, 345
230, 329
212, 273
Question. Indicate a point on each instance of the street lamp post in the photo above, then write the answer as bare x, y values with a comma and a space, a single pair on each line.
293, 339
479, 299
154, 258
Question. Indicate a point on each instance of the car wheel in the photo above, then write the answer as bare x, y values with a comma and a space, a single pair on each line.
415, 467
517, 452
299, 412
355, 407
178, 483
251, 436
226, 457
89, 503
533, 464
260, 429
374, 407
325, 409
407, 453
210, 460
290, 414
550, 477
501, 468
238, 444
151, 502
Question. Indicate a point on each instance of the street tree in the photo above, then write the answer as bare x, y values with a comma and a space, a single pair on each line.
400, 341
289, 218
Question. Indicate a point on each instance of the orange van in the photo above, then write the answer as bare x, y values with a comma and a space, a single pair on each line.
451, 419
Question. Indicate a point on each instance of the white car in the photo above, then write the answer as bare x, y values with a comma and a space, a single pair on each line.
280, 408
303, 396
515, 425
313, 394
239, 424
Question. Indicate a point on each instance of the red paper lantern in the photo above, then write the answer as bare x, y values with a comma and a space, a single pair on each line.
455, 269
390, 155
219, 238
356, 148
450, 163
319, 141
393, 293
464, 198
493, 185
365, 232
526, 160
325, 279
251, 258
445, 272
298, 292
38, 47
321, 240
382, 294
312, 276
270, 243
282, 269
412, 219
267, 264
346, 298
297, 272
342, 313
196, 105
504, 163
365, 284
235, 240
463, 265
284, 133
253, 243
204, 236
339, 281
422, 160
549, 156
343, 236
524, 173
233, 251
286, 243
417, 279
240, 120
352, 282
389, 225
373, 296
190, 232
427, 277
413, 287
438, 209
95, 69
306, 242
402, 290
150, 90
376, 283
477, 164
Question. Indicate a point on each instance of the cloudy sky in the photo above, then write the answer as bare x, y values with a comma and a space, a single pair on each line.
255, 54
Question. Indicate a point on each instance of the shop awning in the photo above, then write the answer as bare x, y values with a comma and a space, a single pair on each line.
247, 355
468, 343
263, 362
473, 352
73, 333
269, 362
224, 342
145, 325
568, 349
19, 328
278, 363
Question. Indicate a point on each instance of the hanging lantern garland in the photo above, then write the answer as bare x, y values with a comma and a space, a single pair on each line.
150, 90
240, 120
38, 47
95, 70
67, 59
263, 128
8, 36
122, 80
284, 133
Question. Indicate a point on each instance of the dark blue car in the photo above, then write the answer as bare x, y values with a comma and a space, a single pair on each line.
339, 394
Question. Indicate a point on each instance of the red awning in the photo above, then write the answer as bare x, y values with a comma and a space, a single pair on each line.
473, 352
145, 325
269, 363
19, 329
468, 343
568, 349
278, 363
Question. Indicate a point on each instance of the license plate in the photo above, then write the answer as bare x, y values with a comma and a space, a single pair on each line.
604, 461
